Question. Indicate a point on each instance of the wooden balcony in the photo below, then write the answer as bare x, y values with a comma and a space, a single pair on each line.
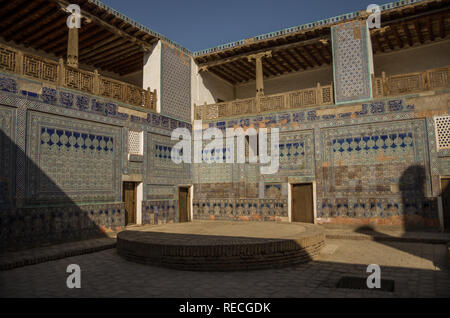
323, 95
320, 95
411, 83
59, 74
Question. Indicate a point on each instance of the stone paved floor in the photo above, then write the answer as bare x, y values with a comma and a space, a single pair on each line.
419, 270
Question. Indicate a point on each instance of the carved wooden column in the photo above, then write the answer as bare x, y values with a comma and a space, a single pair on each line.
259, 71
72, 48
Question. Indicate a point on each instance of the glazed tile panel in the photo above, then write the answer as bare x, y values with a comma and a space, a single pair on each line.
241, 209
351, 63
296, 150
159, 212
363, 159
161, 168
175, 83
72, 160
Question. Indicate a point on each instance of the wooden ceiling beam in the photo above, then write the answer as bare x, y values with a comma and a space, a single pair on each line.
240, 78
145, 45
376, 38
131, 60
33, 27
302, 57
128, 71
326, 47
430, 29
128, 68
418, 31
234, 69
408, 34
114, 57
9, 7
286, 61
319, 53
222, 76
273, 68
284, 69
52, 31
60, 43
45, 30
261, 50
86, 40
266, 72
123, 66
387, 40
442, 26
117, 58
234, 78
8, 10
108, 44
19, 14
242, 70
18, 28
409, 17
292, 56
251, 65
397, 36
248, 67
307, 52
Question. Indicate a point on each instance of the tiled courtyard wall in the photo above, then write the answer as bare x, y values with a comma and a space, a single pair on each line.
371, 163
63, 157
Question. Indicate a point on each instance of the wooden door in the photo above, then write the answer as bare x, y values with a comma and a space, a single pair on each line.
302, 203
184, 204
445, 187
129, 197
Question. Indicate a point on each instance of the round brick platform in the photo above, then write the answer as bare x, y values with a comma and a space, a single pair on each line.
221, 246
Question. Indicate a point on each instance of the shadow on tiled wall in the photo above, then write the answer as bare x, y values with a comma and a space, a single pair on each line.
46, 214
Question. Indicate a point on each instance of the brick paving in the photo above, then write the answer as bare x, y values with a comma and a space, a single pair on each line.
419, 270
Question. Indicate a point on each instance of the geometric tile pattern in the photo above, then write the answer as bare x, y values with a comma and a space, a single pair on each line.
241, 209
159, 212
370, 158
394, 208
161, 169
80, 141
273, 191
350, 59
175, 83
76, 160
88, 104
157, 192
371, 162
296, 153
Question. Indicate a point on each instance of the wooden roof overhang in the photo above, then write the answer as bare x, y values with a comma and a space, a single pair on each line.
291, 53
410, 25
107, 41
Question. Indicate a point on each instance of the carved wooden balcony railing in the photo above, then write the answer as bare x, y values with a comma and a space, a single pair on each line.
43, 69
320, 95
411, 82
